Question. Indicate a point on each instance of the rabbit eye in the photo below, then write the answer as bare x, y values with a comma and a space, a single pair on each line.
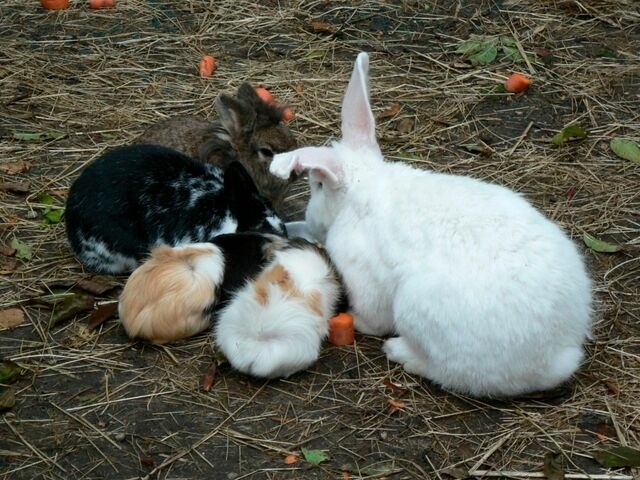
266, 152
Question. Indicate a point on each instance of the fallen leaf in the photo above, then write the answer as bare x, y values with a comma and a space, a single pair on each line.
14, 187
567, 133
570, 193
96, 285
405, 125
52, 213
23, 251
7, 251
299, 88
38, 136
345, 475
316, 457
8, 265
322, 27
291, 459
395, 405
389, 112
553, 466
11, 318
9, 371
612, 387
100, 315
13, 168
65, 305
618, 457
484, 57
7, 399
542, 51
600, 246
146, 461
209, 377
316, 54
626, 149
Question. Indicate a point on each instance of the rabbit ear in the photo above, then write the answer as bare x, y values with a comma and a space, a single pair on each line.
358, 124
237, 117
320, 160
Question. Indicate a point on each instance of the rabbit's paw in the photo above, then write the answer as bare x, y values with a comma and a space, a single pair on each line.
411, 358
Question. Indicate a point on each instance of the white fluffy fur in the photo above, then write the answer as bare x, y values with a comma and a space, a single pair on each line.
283, 335
486, 296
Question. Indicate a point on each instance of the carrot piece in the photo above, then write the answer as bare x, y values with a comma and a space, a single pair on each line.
265, 95
341, 330
95, 4
287, 114
517, 83
54, 4
207, 65
290, 459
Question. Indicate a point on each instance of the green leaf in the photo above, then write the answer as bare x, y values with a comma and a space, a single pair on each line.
484, 57
23, 251
600, 246
618, 457
53, 215
316, 54
9, 371
384, 468
7, 399
512, 53
38, 136
626, 149
571, 131
46, 199
315, 457
470, 47
553, 466
65, 305
508, 41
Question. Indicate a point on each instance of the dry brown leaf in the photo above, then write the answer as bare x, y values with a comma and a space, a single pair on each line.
12, 168
209, 377
299, 88
322, 27
11, 318
394, 386
103, 313
389, 112
405, 125
612, 387
14, 187
8, 266
96, 285
395, 405
8, 251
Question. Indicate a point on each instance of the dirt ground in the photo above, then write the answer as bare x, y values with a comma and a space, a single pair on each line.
92, 404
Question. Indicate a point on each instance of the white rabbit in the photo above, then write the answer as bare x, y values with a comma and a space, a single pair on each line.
486, 296
275, 324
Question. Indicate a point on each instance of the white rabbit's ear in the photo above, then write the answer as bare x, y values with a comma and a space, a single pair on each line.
358, 124
321, 160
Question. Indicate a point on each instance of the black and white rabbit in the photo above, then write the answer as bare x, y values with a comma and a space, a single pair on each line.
136, 197
175, 292
485, 295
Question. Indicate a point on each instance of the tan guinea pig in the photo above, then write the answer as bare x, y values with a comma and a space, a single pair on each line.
171, 296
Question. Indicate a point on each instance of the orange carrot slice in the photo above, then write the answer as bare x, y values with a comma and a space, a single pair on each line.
287, 114
517, 83
95, 4
54, 4
265, 95
290, 459
341, 331
207, 65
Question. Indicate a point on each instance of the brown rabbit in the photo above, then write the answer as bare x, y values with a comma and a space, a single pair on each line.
248, 130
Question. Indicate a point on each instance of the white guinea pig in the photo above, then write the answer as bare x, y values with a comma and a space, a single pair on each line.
274, 325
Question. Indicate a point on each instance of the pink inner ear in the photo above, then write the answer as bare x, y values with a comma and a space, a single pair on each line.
320, 159
358, 124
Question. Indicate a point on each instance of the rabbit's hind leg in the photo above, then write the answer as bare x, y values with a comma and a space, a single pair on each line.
411, 357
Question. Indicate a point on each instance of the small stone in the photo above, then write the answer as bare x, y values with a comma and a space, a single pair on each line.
232, 475
30, 215
383, 435
120, 436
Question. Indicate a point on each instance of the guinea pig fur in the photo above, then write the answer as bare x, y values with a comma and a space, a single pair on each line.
170, 296
274, 325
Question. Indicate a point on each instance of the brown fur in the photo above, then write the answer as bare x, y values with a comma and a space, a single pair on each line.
246, 127
164, 300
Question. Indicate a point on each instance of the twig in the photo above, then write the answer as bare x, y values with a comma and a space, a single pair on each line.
517, 474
